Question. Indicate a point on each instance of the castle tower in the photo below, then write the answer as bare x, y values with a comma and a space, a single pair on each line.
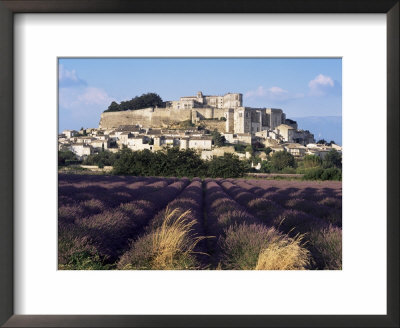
230, 122
242, 120
275, 117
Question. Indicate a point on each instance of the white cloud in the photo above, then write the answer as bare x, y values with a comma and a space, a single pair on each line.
93, 95
259, 92
68, 78
320, 85
272, 93
277, 91
83, 98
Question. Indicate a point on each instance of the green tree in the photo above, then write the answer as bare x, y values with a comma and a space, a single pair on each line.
150, 99
332, 159
172, 162
227, 166
175, 162
332, 173
282, 159
114, 107
124, 163
218, 140
105, 158
249, 149
310, 161
240, 148
266, 167
66, 157
321, 142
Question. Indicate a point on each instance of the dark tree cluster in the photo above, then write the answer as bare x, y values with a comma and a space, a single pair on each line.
145, 100
104, 158
218, 139
66, 157
177, 163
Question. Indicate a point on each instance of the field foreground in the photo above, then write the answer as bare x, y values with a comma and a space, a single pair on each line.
142, 223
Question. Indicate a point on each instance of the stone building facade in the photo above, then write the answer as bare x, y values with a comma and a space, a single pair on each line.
253, 120
229, 100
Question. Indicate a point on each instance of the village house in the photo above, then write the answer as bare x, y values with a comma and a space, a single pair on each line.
84, 139
244, 138
81, 150
287, 132
64, 145
123, 138
276, 148
295, 149
184, 143
201, 143
100, 144
138, 143
70, 133
321, 153
154, 133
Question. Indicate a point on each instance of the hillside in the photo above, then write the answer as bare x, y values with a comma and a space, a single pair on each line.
323, 127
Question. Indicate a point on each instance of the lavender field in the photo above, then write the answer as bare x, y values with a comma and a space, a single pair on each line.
155, 223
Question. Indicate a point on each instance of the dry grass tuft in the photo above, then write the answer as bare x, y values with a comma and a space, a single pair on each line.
257, 247
173, 240
284, 254
169, 247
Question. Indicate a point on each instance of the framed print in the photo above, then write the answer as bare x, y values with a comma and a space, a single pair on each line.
102, 83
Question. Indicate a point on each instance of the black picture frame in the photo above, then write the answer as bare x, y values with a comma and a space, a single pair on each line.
10, 7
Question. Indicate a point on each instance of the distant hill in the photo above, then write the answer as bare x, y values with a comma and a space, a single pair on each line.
323, 127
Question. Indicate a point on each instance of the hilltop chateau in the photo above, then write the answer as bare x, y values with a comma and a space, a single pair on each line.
228, 108
188, 123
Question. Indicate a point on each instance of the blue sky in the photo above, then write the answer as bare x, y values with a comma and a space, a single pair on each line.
301, 87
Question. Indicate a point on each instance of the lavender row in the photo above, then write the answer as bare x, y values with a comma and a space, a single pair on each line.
191, 199
273, 214
75, 203
244, 242
110, 230
222, 212
309, 190
331, 214
324, 240
142, 251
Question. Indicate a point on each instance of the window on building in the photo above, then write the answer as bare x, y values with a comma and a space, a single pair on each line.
240, 114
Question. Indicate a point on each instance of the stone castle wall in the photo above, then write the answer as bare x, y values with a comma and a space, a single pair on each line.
155, 117
214, 125
209, 112
147, 117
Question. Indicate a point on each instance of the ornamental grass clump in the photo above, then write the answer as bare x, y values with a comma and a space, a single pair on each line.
255, 246
169, 247
284, 254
